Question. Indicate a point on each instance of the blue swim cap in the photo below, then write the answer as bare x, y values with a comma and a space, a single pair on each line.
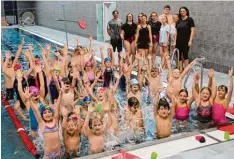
107, 59
87, 99
134, 81
45, 107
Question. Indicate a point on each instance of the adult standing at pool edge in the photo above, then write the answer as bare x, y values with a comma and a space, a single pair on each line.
114, 29
185, 32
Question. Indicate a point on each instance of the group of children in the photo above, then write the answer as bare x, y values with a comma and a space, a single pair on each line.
71, 91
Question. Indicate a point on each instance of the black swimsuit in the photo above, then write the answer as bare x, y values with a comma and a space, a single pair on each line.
143, 39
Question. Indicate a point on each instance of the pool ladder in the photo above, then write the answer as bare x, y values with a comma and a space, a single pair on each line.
172, 57
202, 70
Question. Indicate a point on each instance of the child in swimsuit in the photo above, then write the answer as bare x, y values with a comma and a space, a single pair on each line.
107, 67
162, 116
204, 102
95, 130
134, 117
48, 120
135, 90
89, 73
71, 127
182, 108
221, 103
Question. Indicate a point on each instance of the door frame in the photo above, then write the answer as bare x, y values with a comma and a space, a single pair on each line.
104, 20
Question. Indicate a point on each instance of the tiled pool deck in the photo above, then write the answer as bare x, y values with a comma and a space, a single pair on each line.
182, 146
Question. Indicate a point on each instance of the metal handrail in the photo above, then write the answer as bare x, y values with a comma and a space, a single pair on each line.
178, 55
202, 70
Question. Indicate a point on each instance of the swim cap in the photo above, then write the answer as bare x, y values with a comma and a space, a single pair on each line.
17, 66
34, 91
107, 59
38, 62
56, 68
99, 108
45, 107
88, 64
134, 81
101, 89
87, 99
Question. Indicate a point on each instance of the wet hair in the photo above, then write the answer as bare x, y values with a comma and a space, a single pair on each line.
150, 17
133, 101
184, 90
94, 116
11, 59
127, 17
66, 80
223, 87
163, 103
167, 6
187, 11
70, 114
207, 88
114, 12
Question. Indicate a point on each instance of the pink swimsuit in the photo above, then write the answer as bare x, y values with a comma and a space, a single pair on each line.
182, 113
219, 113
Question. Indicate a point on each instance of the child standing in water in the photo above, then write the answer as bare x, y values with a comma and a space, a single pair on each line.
182, 108
204, 103
162, 116
134, 117
95, 130
48, 120
220, 102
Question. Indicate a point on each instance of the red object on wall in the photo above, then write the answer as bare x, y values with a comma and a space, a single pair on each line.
19, 127
125, 155
82, 24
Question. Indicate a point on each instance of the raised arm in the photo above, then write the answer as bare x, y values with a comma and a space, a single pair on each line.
8, 56
18, 52
57, 107
86, 130
156, 103
213, 91
229, 96
19, 77
196, 95
42, 82
210, 76
64, 114
167, 57
186, 70
2, 61
102, 56
33, 106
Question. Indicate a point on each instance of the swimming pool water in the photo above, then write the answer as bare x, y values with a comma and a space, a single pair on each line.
11, 38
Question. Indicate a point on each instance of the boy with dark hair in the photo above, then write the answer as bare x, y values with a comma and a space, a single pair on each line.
113, 29
163, 116
166, 12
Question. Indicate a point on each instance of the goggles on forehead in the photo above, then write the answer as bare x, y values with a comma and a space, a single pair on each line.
73, 118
